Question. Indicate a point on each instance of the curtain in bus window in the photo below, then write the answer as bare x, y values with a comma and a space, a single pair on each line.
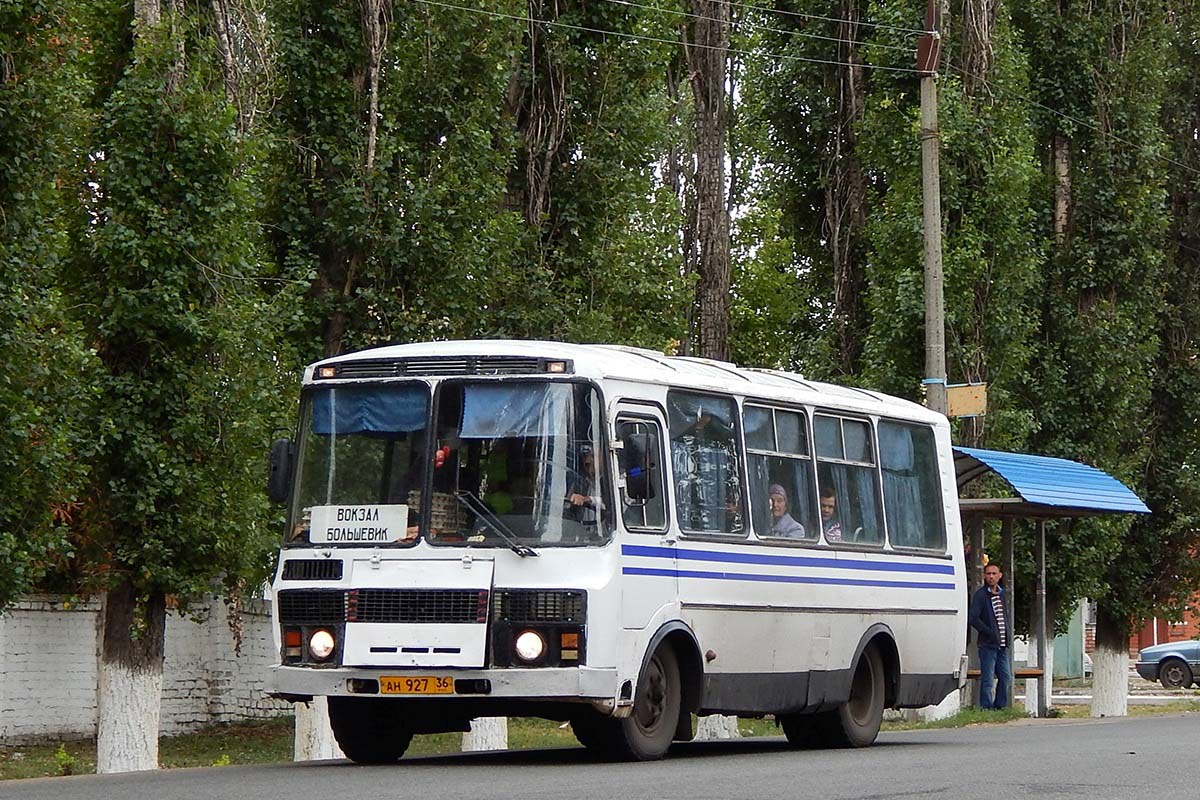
910, 487
857, 507
375, 409
706, 486
498, 411
704, 462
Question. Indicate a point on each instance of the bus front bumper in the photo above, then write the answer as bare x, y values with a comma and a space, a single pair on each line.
570, 684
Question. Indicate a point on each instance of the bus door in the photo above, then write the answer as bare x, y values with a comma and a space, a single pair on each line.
648, 569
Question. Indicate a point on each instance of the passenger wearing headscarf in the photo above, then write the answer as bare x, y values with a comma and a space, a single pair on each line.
782, 523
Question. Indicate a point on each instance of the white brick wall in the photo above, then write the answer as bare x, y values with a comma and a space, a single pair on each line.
48, 668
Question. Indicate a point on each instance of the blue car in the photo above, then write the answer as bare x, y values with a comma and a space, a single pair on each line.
1176, 665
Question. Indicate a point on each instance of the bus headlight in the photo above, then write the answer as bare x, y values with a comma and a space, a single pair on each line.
321, 645
529, 646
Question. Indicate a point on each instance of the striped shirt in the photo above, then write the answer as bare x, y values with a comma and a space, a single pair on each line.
998, 610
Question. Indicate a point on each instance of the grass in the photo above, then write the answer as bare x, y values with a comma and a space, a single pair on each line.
270, 741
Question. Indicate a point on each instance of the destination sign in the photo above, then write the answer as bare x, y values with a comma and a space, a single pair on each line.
358, 524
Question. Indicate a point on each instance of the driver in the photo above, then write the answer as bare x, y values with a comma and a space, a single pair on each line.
583, 497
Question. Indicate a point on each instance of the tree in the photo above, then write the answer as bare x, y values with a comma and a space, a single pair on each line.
161, 278
1157, 573
1099, 81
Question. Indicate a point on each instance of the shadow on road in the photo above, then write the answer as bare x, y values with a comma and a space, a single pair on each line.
574, 756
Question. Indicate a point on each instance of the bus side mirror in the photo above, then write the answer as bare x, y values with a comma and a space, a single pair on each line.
637, 460
279, 470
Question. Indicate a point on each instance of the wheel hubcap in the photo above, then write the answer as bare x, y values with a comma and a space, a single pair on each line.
652, 700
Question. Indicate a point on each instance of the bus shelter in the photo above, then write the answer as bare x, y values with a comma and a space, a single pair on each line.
1046, 488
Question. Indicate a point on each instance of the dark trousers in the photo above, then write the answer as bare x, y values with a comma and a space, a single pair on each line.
993, 666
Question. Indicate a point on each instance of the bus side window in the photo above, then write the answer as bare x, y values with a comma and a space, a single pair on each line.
643, 503
849, 497
704, 463
912, 493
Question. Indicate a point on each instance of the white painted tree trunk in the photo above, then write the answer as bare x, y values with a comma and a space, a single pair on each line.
717, 726
1034, 686
1110, 682
487, 733
314, 738
947, 708
129, 688
129, 703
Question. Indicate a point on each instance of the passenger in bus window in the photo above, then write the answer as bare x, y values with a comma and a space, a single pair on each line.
782, 522
829, 521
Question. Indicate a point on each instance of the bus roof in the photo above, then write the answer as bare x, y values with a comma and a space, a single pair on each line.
618, 362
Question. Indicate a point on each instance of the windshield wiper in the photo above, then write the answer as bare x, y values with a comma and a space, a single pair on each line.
476, 506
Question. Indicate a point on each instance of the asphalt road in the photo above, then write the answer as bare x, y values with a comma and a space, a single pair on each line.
1153, 757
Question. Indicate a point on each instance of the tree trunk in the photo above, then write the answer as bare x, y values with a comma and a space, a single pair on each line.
539, 105
314, 738
706, 49
978, 25
129, 697
1110, 666
147, 13
487, 733
1062, 189
846, 195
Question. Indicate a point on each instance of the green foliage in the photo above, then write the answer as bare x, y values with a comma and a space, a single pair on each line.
435, 229
45, 369
65, 762
1158, 573
163, 269
990, 254
1102, 290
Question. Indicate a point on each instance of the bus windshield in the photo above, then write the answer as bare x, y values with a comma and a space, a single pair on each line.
519, 461
361, 464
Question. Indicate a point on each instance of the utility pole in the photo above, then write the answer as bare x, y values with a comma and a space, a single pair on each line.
928, 54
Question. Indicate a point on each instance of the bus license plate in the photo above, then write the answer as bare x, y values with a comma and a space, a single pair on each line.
416, 684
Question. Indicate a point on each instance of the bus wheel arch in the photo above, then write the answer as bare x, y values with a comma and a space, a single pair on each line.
680, 638
874, 680
880, 636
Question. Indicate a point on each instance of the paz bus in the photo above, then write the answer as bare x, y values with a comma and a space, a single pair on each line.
614, 538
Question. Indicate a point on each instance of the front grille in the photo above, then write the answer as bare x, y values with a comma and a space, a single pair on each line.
443, 366
531, 606
312, 607
312, 569
451, 606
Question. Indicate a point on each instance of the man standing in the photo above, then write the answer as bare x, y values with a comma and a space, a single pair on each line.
987, 618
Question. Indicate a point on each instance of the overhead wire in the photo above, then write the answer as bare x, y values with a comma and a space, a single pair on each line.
786, 56
642, 38
784, 12
760, 27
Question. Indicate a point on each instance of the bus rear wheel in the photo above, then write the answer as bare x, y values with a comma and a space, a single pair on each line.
856, 722
648, 731
368, 730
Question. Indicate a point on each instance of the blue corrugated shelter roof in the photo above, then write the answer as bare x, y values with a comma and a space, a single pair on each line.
1054, 482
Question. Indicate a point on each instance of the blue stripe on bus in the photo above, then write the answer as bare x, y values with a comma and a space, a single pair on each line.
784, 561
749, 576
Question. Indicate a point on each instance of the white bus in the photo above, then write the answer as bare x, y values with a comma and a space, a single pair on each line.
611, 537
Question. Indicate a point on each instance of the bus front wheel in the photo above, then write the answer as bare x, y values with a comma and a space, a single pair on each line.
368, 730
648, 731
